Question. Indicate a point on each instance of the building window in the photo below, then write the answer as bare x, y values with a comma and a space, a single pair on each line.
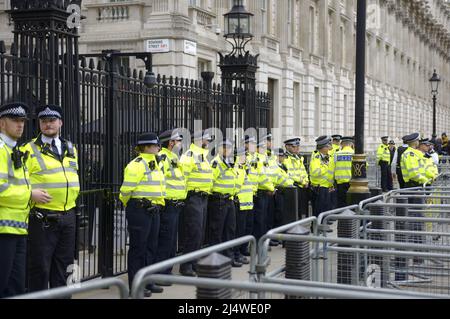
312, 29
330, 35
343, 44
297, 110
317, 111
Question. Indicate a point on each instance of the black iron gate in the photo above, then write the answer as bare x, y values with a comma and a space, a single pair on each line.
106, 107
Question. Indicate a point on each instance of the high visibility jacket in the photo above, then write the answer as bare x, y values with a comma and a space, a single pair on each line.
343, 160
225, 177
411, 166
265, 175
283, 179
245, 193
321, 170
272, 164
252, 169
428, 167
176, 188
144, 178
296, 169
15, 195
383, 154
197, 169
334, 150
58, 177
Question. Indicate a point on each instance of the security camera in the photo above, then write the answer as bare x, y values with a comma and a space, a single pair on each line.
218, 31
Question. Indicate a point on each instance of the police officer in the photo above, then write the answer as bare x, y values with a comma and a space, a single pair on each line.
199, 179
176, 193
428, 167
297, 172
321, 172
336, 144
142, 192
395, 164
244, 205
383, 159
221, 206
53, 166
15, 192
343, 171
392, 150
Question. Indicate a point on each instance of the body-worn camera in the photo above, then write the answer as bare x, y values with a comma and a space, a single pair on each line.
18, 157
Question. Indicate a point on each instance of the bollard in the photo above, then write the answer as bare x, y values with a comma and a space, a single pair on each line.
298, 257
400, 262
215, 266
381, 261
347, 272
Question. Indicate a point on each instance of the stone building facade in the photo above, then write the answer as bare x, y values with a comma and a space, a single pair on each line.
307, 56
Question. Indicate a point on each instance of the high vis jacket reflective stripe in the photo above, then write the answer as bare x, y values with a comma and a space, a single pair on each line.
321, 172
141, 181
58, 177
427, 167
176, 187
411, 166
343, 160
15, 195
296, 169
283, 179
245, 193
225, 178
197, 169
252, 168
383, 153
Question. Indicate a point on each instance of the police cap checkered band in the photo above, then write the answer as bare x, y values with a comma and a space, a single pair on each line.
148, 139
249, 139
49, 111
293, 141
17, 110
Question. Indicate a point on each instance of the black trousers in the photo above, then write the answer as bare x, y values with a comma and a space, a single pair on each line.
304, 197
279, 209
12, 265
221, 223
341, 194
249, 222
260, 214
241, 225
401, 181
193, 224
51, 251
384, 166
143, 229
168, 230
321, 200
270, 222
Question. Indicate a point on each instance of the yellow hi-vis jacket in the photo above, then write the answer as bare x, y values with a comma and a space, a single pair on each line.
245, 193
252, 169
225, 178
321, 170
176, 188
144, 178
15, 194
343, 160
383, 154
334, 150
283, 179
265, 176
58, 177
428, 167
296, 169
411, 166
197, 170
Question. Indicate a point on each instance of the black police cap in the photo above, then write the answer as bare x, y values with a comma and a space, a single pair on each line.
411, 138
148, 139
170, 135
336, 137
50, 111
293, 141
323, 141
14, 110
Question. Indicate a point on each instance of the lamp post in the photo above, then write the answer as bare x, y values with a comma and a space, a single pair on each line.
359, 185
239, 66
434, 83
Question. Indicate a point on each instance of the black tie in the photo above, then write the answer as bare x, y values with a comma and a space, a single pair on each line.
54, 148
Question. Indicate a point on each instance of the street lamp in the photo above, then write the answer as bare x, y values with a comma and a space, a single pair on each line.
238, 23
434, 83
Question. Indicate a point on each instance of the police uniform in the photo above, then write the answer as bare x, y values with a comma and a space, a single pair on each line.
428, 167
221, 205
343, 171
15, 194
383, 159
297, 172
142, 192
391, 164
53, 166
176, 193
321, 172
244, 204
335, 147
199, 181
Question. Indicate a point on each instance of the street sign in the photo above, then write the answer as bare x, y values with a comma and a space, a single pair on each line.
157, 46
190, 47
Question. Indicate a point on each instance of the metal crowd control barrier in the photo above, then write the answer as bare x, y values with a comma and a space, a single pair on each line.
143, 277
65, 292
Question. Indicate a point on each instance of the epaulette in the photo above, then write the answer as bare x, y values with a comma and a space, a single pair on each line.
24, 143
138, 160
317, 157
214, 164
189, 153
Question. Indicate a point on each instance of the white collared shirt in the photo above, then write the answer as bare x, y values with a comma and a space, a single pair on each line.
48, 140
8, 141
